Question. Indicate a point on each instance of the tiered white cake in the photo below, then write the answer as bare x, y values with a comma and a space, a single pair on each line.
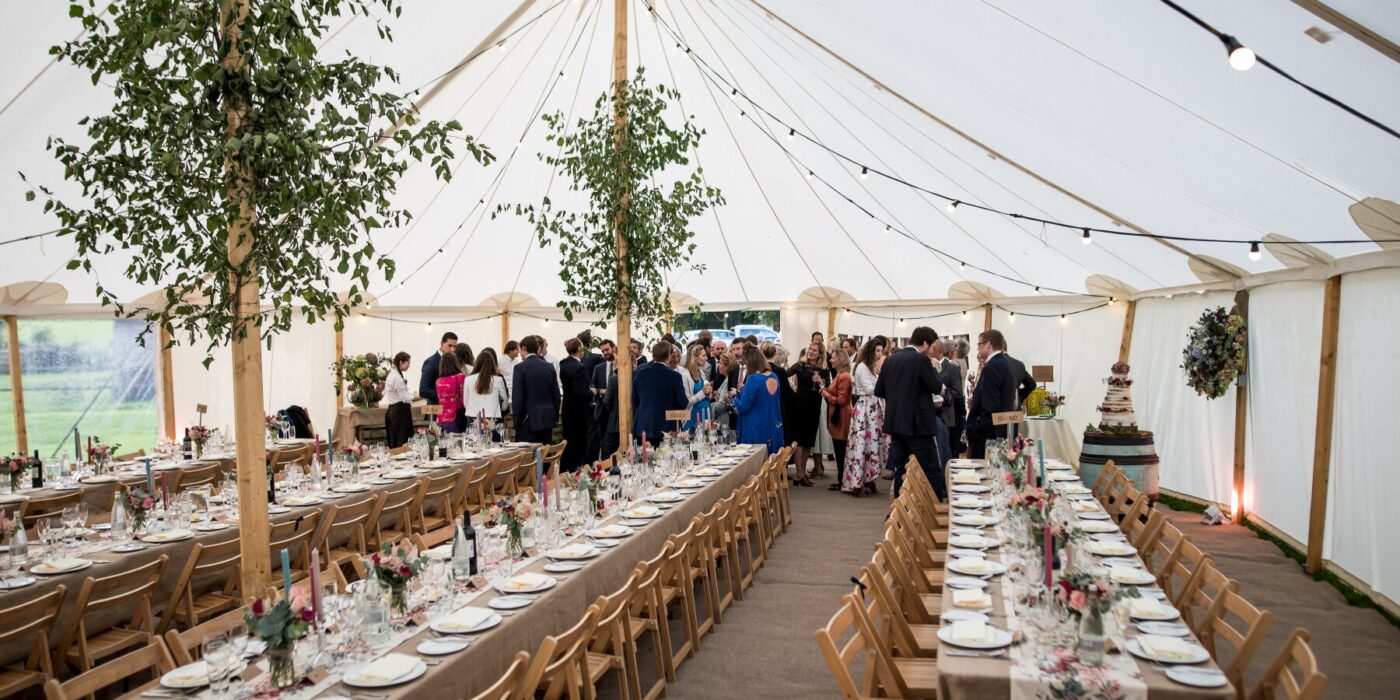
1118, 437
1117, 408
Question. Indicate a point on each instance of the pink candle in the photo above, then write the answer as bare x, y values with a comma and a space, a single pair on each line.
164, 492
316, 582
1049, 557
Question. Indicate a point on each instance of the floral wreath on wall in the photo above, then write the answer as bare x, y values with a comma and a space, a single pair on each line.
1215, 352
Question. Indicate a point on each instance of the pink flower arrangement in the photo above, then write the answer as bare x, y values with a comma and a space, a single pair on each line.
280, 624
396, 565
1080, 592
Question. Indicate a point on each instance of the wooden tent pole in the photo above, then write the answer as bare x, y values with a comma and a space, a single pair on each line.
830, 326
1241, 412
1322, 438
167, 385
986, 317
246, 348
1126, 344
17, 387
624, 275
505, 330
339, 353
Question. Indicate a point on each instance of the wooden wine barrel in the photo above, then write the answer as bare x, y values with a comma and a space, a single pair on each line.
1135, 454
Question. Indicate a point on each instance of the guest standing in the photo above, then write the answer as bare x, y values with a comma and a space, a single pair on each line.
811, 376
598, 386
995, 392
611, 440
510, 357
759, 404
697, 390
955, 387
867, 447
908, 383
428, 376
398, 412
487, 395
838, 401
776, 356
449, 393
1025, 384
578, 402
534, 395
656, 389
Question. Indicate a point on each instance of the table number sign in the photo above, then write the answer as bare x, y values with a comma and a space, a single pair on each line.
1008, 417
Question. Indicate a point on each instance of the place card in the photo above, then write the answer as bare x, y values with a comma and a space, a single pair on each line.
317, 675
419, 619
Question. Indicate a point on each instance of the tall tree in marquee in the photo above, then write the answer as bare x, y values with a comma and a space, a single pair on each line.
242, 172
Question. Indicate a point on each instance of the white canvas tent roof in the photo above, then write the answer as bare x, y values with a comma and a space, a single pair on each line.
1126, 105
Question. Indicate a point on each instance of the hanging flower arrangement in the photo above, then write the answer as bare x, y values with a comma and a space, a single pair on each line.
363, 378
1215, 352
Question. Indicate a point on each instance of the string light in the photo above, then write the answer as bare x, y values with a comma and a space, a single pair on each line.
1241, 57
1087, 238
809, 174
501, 45
953, 206
1013, 315
962, 265
563, 75
1063, 319
741, 114
791, 133
864, 172
1254, 253
1037, 291
964, 314
734, 93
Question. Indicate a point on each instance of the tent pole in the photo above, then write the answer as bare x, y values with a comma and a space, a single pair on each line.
246, 349
339, 353
1126, 345
624, 275
1357, 30
1322, 439
505, 330
830, 326
1241, 412
986, 317
167, 385
17, 387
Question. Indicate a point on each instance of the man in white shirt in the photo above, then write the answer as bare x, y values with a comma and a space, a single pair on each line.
510, 357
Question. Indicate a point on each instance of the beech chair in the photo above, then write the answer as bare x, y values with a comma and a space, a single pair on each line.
1129, 510
1142, 535
152, 658
396, 508
855, 650
552, 455
504, 481
1161, 554
435, 507
679, 591
1205, 601
128, 590
612, 647
438, 537
1306, 684
1116, 492
192, 477
349, 524
185, 646
480, 480
300, 456
1185, 573
36, 509
32, 619
560, 664
719, 563
647, 615
746, 560
903, 677
130, 456
1100, 486
1243, 627
909, 639
700, 559
297, 537
509, 685
206, 564
919, 608
921, 546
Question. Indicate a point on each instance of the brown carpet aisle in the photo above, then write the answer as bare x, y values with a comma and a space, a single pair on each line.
765, 647
1357, 648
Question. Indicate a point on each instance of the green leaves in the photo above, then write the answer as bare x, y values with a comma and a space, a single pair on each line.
196, 144
626, 196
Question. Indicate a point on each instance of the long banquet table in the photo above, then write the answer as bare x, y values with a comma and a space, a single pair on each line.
963, 676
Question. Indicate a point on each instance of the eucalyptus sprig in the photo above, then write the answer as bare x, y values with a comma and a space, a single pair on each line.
226, 113
624, 176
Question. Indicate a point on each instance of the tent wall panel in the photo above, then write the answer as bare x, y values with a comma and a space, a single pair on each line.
1362, 517
1285, 322
1195, 437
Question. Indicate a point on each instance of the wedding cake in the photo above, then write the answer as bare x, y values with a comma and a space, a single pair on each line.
1118, 438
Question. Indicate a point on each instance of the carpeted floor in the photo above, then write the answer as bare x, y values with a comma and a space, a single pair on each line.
765, 648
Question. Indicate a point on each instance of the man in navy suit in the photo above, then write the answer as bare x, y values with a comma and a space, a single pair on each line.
427, 378
996, 392
534, 395
656, 389
907, 383
598, 382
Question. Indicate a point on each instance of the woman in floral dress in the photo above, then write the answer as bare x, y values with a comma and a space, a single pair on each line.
867, 447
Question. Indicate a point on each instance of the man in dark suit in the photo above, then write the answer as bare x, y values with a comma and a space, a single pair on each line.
428, 376
1025, 383
598, 386
611, 439
995, 393
955, 408
907, 383
638, 359
578, 405
534, 395
656, 389
590, 359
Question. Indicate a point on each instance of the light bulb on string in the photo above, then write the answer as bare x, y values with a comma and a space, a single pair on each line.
1254, 253
809, 174
864, 172
734, 92
741, 114
1012, 315
791, 133
501, 45
964, 314
1242, 58
962, 265
1037, 291
953, 206
1063, 319
563, 75
1087, 238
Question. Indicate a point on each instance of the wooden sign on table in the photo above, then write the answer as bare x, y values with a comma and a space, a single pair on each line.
1008, 417
432, 410
1043, 373
680, 414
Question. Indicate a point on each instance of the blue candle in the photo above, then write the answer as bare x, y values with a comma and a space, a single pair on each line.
287, 571
150, 480
1040, 445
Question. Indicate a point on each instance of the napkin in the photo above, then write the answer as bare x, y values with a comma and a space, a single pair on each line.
969, 598
1147, 608
976, 565
971, 632
1165, 647
442, 551
976, 519
641, 512
968, 541
573, 550
465, 619
197, 672
1126, 574
967, 501
1111, 547
527, 581
610, 531
169, 535
1085, 506
965, 477
61, 564
386, 668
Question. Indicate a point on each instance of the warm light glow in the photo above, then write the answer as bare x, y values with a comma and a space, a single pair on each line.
1063, 319
953, 206
1254, 253
1087, 238
864, 172
1241, 57
1235, 505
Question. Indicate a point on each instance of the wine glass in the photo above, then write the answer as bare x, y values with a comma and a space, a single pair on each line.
219, 659
74, 517
50, 532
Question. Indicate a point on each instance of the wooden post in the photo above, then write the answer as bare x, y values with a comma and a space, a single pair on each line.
17, 387
167, 386
1126, 344
987, 317
339, 353
1322, 438
1241, 411
246, 346
624, 275
505, 330
830, 326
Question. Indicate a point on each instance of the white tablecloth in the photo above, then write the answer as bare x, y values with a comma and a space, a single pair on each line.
1061, 442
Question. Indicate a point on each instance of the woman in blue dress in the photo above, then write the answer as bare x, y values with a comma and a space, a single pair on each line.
759, 404
697, 389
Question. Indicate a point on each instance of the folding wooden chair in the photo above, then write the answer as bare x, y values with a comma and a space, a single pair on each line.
481, 478
297, 536
396, 510
192, 477
128, 590
205, 565
647, 615
679, 590
508, 686
719, 563
435, 507
1142, 534
1131, 509
1100, 486
36, 509
612, 647
844, 646
1306, 684
1243, 627
700, 558
1185, 573
883, 606
185, 646
348, 524
560, 664
920, 607
1205, 601
32, 619
151, 658
504, 484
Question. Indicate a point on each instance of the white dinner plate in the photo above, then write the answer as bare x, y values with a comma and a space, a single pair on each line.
278, 509
53, 569
1134, 577
12, 582
964, 582
1197, 677
510, 602
211, 527
1112, 549
1164, 629
666, 497
642, 512
12, 497
1199, 654
1109, 536
355, 681
973, 542
128, 547
195, 675
168, 536
975, 503
350, 488
611, 531
978, 520
100, 479
997, 638
101, 527
1057, 467
965, 531
706, 471
1062, 476
1095, 526
993, 568
442, 646
687, 483
1169, 613
548, 583
1095, 515
301, 501
604, 542
562, 567
955, 615
573, 552
1073, 489
970, 488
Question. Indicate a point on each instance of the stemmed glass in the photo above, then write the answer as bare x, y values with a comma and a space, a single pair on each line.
75, 518
219, 660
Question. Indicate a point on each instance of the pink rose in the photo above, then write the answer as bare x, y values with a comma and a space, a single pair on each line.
258, 607
1077, 600
147, 502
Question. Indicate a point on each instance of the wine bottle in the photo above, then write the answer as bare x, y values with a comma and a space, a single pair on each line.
36, 475
464, 550
188, 446
271, 486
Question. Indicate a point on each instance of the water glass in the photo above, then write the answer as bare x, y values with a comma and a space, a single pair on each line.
220, 660
50, 532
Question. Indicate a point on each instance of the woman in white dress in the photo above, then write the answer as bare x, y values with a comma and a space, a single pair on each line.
867, 448
398, 402
486, 392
